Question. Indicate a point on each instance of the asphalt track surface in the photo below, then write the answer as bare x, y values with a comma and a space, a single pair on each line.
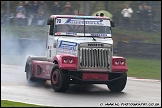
137, 93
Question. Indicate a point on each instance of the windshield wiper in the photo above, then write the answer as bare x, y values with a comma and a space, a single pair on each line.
93, 38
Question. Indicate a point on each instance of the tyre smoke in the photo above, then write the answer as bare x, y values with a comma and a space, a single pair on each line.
15, 51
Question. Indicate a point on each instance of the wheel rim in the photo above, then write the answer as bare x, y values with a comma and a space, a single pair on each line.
55, 77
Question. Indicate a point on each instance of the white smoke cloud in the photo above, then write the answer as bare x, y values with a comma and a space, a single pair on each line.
16, 50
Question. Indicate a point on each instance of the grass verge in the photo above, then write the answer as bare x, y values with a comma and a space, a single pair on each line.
7, 103
144, 68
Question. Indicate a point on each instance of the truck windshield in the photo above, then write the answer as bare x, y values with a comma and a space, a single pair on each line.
82, 27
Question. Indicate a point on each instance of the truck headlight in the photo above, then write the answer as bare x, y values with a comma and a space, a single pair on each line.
65, 60
116, 62
71, 60
119, 62
122, 62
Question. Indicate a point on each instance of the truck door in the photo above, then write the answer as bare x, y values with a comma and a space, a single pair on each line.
49, 47
51, 43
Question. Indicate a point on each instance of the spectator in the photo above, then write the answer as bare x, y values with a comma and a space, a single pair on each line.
43, 8
139, 12
20, 12
56, 9
148, 17
68, 10
20, 7
21, 18
127, 14
28, 7
41, 19
35, 7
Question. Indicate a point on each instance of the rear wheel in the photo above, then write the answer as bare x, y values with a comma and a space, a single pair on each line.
119, 84
28, 69
59, 79
29, 73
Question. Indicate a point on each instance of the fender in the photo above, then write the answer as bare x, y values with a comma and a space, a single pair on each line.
119, 64
66, 62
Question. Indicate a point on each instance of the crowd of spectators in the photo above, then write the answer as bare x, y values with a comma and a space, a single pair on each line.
144, 21
145, 18
35, 13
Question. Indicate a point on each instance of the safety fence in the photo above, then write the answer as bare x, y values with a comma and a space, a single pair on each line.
142, 50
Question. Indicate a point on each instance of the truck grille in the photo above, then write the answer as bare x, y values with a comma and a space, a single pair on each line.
94, 58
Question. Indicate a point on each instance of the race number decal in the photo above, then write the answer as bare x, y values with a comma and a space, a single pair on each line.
58, 21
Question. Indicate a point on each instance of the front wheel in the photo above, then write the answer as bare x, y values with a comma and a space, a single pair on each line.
59, 79
119, 84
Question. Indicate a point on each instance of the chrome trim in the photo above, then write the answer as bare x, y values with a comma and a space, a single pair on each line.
95, 58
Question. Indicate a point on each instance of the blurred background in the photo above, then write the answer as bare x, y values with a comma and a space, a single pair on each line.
143, 11
136, 35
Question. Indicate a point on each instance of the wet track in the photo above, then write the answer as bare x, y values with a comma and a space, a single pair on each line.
15, 87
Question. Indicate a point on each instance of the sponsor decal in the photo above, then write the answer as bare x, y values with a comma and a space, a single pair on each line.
97, 45
66, 47
87, 22
77, 21
98, 34
71, 33
94, 76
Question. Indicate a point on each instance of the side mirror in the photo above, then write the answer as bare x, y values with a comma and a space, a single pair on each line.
49, 21
112, 24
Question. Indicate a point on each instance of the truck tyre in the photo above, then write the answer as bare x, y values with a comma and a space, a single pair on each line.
28, 69
59, 79
119, 84
29, 72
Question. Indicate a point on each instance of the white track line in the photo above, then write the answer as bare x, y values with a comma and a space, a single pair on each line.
140, 79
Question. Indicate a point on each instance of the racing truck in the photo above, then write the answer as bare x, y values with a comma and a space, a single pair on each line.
79, 50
